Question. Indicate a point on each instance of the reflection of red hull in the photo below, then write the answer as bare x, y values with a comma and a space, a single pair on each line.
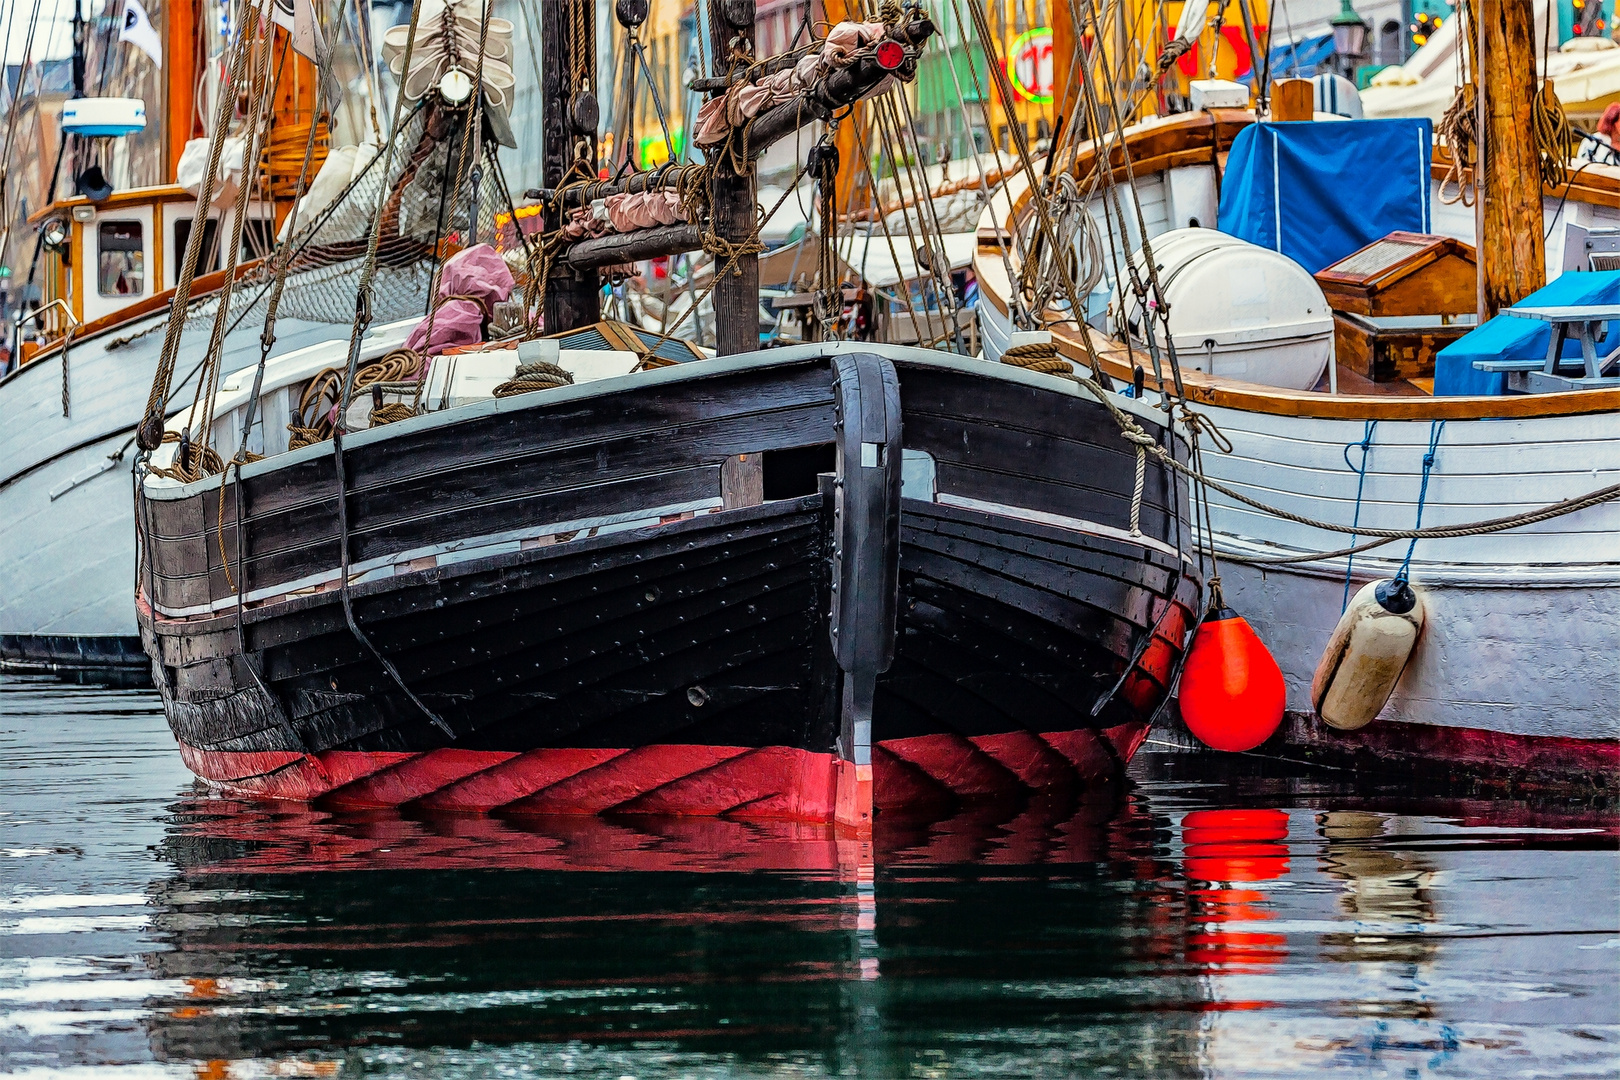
216, 836
773, 782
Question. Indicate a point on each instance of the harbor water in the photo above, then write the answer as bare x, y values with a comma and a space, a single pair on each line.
1212, 917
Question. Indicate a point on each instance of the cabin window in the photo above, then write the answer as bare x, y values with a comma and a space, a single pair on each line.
121, 263
208, 257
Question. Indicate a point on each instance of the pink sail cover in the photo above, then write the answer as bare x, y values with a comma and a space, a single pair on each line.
478, 271
746, 100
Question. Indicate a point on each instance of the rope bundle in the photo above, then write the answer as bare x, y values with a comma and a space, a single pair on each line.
191, 463
535, 375
314, 418
1039, 357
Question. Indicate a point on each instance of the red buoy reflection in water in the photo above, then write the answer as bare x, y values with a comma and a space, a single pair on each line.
1221, 849
1232, 693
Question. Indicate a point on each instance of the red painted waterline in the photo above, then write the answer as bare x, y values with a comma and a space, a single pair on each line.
762, 783
1472, 751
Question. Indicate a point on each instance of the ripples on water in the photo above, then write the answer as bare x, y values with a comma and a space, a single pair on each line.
1207, 920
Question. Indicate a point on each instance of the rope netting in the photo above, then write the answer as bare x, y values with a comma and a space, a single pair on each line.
329, 251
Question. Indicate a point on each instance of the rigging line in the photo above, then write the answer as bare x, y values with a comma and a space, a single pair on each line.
1163, 310
979, 167
267, 342
898, 166
1102, 178
150, 433
6, 204
362, 318
948, 284
474, 118
1021, 141
1002, 247
652, 88
262, 86
877, 201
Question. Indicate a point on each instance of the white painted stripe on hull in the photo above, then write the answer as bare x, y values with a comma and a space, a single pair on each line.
456, 551
1041, 517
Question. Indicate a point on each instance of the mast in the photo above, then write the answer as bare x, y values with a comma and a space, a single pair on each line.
1512, 252
736, 292
179, 81
568, 127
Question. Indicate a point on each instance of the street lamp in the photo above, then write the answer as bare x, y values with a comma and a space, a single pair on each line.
1349, 31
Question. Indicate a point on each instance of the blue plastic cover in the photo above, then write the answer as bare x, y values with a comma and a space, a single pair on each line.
1318, 191
1508, 338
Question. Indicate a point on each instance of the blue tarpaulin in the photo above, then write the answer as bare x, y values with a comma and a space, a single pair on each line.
1318, 191
1508, 338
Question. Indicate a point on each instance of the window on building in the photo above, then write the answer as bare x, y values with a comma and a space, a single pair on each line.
121, 259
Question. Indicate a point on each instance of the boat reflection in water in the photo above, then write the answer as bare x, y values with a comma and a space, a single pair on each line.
1135, 929
585, 943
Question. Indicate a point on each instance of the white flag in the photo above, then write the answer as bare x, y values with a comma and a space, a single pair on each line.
297, 17
139, 31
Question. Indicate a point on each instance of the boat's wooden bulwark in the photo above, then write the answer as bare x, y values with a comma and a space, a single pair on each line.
686, 652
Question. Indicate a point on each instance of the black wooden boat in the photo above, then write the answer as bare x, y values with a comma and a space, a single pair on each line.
786, 584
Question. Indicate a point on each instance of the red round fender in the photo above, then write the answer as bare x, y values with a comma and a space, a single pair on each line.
1232, 693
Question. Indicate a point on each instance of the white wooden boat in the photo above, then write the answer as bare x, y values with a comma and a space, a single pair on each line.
67, 526
1517, 673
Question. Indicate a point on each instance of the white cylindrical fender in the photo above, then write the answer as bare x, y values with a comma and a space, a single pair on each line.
1367, 653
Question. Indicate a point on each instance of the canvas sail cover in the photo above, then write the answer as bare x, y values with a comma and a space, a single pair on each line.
1318, 191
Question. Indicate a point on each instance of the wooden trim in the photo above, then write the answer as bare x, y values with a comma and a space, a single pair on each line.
140, 309
1230, 394
168, 193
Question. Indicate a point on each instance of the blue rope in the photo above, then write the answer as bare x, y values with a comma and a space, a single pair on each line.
1435, 428
1361, 481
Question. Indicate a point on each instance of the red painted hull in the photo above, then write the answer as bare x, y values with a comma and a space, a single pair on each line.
1457, 753
764, 783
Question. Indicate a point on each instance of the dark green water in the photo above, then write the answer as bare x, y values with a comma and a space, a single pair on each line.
1206, 920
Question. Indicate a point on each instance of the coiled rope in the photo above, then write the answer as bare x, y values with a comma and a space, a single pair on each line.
535, 375
314, 417
1042, 357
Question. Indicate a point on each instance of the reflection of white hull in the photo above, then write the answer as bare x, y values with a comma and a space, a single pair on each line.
1523, 636
67, 562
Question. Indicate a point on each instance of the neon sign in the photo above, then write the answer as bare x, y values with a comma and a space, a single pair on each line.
1029, 65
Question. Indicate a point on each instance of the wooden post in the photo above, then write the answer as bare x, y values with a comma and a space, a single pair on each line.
1512, 251
736, 291
1293, 99
573, 298
1066, 63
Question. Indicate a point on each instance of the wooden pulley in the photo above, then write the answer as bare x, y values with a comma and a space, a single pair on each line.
737, 13
630, 13
583, 112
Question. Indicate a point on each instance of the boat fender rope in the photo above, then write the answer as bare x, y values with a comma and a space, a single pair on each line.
1361, 481
1436, 427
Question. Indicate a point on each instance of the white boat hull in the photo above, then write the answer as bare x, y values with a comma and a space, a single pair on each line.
67, 524
1523, 636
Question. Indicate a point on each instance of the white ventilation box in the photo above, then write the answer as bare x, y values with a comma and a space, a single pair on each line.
1218, 94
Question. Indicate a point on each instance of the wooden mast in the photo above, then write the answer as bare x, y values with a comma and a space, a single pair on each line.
1512, 251
849, 153
568, 127
736, 291
180, 51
